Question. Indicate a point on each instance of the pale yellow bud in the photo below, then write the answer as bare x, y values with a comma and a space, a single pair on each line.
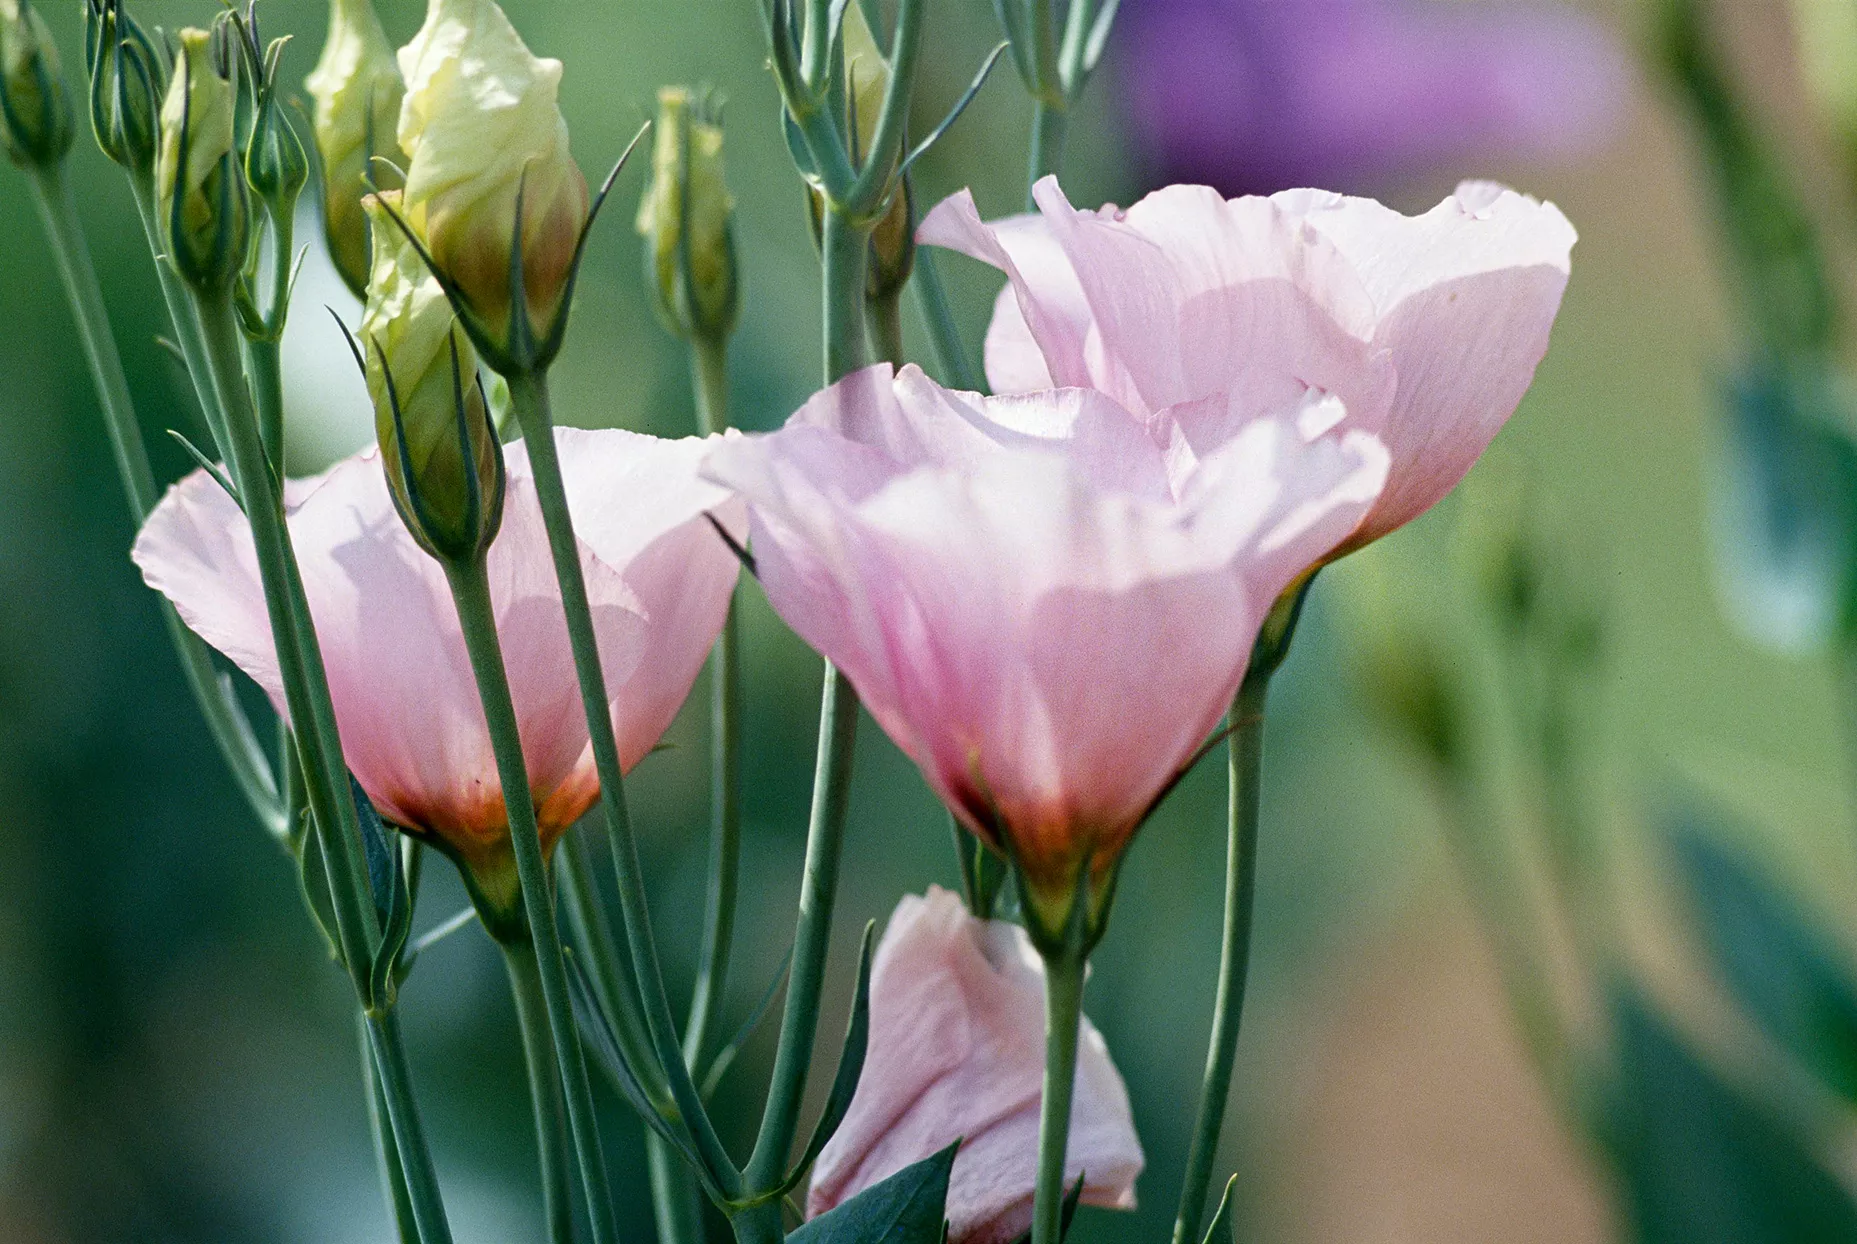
205, 214
867, 74
35, 112
430, 408
358, 92
480, 121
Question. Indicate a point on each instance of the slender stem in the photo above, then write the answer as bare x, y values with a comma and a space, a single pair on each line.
957, 370
709, 382
299, 656
1245, 752
551, 1143
1846, 657
676, 1206
529, 398
1049, 125
831, 795
395, 1081
612, 984
181, 315
225, 719
845, 248
1063, 1021
470, 592
267, 384
392, 1178
886, 328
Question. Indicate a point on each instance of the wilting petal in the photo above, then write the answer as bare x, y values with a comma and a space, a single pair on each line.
1049, 647
957, 1052
405, 700
1465, 297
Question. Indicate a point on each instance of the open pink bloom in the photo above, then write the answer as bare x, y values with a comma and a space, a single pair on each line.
1039, 603
1212, 311
412, 727
957, 1052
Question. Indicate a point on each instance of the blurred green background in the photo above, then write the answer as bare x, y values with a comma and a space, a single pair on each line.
177, 1057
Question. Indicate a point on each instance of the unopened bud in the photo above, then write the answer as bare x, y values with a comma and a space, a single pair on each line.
358, 90
35, 111
483, 133
205, 206
128, 78
276, 166
867, 75
443, 461
687, 220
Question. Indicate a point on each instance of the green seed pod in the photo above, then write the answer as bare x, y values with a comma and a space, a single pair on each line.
687, 220
35, 111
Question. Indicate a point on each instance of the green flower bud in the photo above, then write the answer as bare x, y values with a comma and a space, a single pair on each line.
443, 461
358, 89
128, 77
276, 166
687, 220
34, 109
205, 206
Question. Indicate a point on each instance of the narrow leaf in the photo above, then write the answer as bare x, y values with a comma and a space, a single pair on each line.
206, 464
725, 1057
954, 113
850, 1067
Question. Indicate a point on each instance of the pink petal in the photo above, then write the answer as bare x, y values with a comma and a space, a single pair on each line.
639, 506
957, 1052
1465, 296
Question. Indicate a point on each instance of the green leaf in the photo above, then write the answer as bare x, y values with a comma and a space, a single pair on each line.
1072, 1199
1221, 1231
907, 1208
1782, 971
1699, 1163
1785, 506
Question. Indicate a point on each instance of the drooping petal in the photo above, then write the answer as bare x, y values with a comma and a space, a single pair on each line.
957, 1052
1465, 297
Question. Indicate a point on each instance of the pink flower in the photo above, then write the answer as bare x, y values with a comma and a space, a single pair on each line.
1044, 608
1211, 310
406, 704
957, 1053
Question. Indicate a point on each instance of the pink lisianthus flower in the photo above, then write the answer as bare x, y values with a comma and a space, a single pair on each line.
1199, 311
406, 704
957, 1052
1044, 608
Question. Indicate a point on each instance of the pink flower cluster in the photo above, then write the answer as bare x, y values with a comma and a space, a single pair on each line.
1046, 597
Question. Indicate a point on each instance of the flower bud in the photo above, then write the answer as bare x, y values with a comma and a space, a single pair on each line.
482, 131
33, 105
687, 220
205, 206
276, 166
443, 461
358, 92
128, 77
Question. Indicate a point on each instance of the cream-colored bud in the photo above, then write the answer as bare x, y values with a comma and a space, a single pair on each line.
358, 92
35, 112
205, 213
867, 73
696, 297
480, 122
422, 375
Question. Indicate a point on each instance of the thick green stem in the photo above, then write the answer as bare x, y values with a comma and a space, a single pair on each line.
395, 1082
1245, 752
845, 251
299, 656
267, 384
676, 1206
529, 399
551, 1142
886, 328
225, 719
1063, 1021
392, 1178
470, 592
1050, 123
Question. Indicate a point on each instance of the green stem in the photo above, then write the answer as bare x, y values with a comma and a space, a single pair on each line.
529, 399
1063, 1021
675, 1204
957, 370
181, 316
392, 1178
225, 719
612, 984
886, 328
470, 592
1049, 125
409, 1142
844, 248
525, 986
267, 384
299, 655
1245, 752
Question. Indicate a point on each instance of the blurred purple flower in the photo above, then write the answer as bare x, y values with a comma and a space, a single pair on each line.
1253, 96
